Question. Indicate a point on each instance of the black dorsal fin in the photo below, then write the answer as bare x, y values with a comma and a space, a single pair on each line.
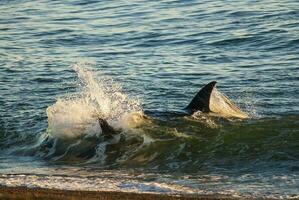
107, 130
201, 101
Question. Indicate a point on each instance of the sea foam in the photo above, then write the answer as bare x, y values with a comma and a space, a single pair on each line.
98, 96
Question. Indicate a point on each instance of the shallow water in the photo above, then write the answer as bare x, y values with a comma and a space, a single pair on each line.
150, 57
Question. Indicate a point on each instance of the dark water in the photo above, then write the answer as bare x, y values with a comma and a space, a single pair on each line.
161, 52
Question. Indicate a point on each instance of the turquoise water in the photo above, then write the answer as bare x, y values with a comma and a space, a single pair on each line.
157, 55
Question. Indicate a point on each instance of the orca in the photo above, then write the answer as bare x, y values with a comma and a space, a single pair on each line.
208, 100
107, 130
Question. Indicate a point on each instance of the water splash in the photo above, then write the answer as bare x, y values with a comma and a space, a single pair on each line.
222, 106
98, 96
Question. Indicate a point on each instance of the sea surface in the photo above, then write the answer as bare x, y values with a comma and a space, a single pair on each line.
138, 64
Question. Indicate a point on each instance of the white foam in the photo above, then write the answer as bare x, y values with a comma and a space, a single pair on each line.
76, 114
91, 184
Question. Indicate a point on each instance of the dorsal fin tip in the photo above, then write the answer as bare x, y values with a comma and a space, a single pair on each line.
213, 83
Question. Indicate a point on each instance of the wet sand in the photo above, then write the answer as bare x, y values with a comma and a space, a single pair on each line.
23, 193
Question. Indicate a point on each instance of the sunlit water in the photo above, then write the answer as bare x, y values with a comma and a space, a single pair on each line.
63, 63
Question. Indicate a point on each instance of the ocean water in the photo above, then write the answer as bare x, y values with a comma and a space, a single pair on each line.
64, 62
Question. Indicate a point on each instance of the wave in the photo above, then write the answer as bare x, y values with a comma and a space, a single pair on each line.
186, 144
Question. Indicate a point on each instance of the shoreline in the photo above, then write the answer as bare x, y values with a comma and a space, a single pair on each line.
20, 193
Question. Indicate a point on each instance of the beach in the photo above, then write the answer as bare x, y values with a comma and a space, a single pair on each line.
23, 193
